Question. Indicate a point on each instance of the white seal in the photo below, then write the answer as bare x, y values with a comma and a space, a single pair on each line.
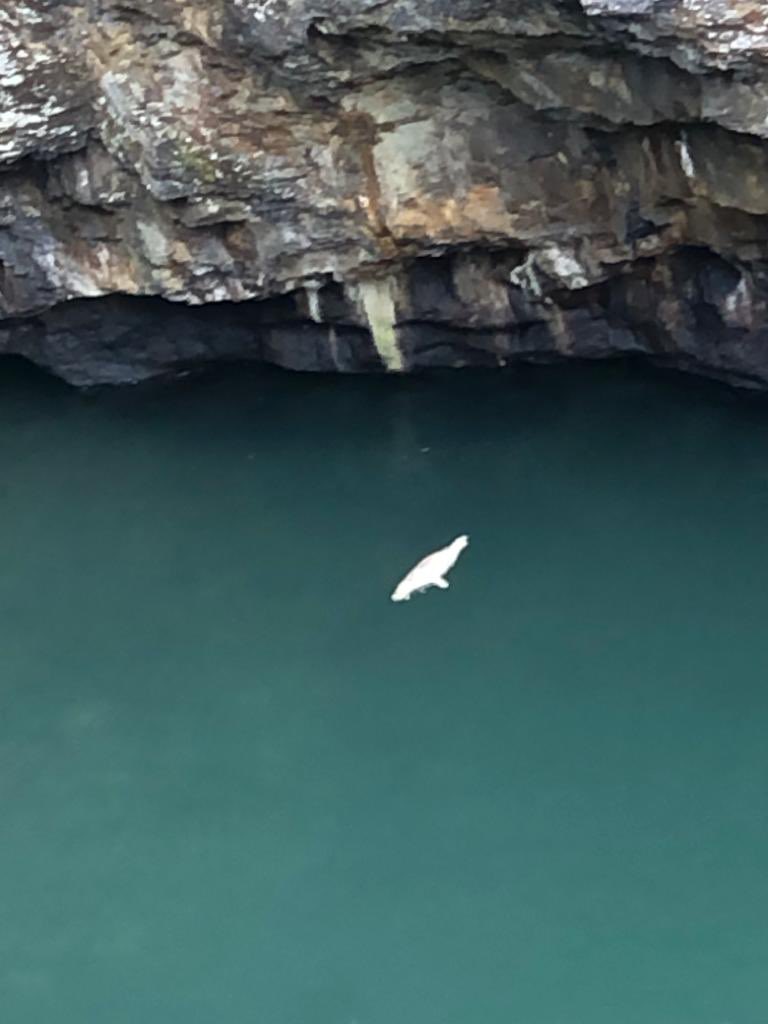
430, 571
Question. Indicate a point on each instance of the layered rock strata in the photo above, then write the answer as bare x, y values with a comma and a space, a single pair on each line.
383, 184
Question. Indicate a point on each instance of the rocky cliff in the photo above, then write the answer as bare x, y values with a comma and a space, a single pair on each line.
383, 184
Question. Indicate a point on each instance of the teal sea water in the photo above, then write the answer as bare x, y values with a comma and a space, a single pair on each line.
238, 784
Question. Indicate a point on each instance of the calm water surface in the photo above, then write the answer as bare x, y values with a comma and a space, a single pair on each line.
239, 785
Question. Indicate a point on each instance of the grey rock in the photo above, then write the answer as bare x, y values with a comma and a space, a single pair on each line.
360, 185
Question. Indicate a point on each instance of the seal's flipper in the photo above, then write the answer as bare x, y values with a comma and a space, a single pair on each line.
441, 583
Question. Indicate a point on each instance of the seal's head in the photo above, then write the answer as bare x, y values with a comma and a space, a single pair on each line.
461, 542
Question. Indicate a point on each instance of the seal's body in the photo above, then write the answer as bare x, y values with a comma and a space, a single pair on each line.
430, 571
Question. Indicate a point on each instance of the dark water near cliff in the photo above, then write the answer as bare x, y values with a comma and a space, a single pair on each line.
238, 784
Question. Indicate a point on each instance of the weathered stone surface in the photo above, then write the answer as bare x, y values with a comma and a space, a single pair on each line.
383, 184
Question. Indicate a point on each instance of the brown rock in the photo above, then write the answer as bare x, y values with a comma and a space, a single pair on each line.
367, 184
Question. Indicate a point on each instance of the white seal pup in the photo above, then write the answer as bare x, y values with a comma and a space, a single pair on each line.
430, 571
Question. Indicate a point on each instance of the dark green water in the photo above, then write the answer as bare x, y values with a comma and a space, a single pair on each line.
237, 784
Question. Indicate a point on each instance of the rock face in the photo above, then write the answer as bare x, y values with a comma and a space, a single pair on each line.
383, 184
